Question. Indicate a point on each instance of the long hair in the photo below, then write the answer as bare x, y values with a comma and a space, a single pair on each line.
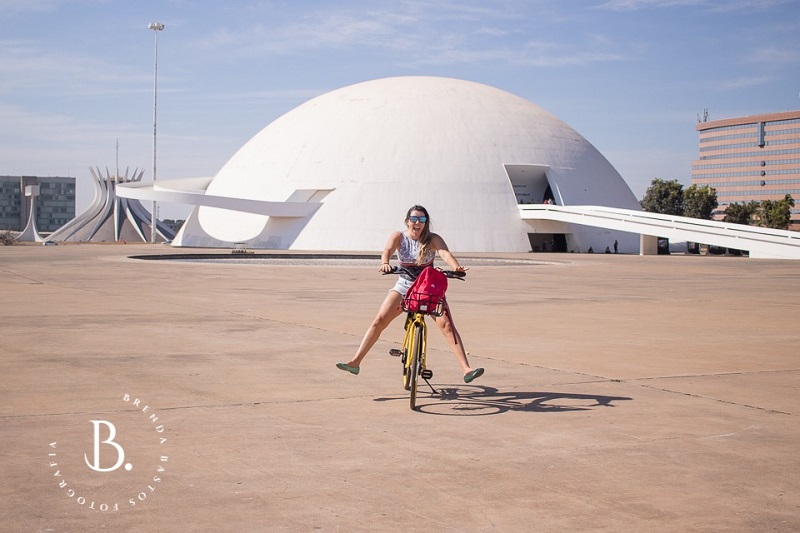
425, 236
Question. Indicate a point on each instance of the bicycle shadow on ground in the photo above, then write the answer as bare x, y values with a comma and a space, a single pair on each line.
477, 400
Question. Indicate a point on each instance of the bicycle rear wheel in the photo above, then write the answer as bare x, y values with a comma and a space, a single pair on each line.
414, 367
406, 367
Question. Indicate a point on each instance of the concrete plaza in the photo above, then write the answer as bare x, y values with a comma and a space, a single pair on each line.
622, 393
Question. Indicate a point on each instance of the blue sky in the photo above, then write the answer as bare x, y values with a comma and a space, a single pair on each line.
631, 76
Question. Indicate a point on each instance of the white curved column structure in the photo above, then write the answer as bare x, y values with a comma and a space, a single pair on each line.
111, 218
31, 232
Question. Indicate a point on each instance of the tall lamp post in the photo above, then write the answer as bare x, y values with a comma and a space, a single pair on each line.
156, 27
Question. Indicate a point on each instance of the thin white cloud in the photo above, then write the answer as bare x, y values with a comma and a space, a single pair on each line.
748, 5
14, 7
532, 54
320, 31
494, 32
27, 66
710, 5
251, 98
744, 82
633, 5
463, 11
56, 129
774, 55
415, 31
20, 6
49, 144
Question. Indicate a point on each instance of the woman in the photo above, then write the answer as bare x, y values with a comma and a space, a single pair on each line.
415, 248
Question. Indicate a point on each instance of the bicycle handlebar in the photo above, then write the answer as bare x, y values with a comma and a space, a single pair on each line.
453, 274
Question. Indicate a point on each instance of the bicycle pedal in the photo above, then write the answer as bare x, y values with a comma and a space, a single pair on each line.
426, 374
394, 352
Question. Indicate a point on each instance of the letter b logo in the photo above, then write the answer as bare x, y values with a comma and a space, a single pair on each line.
112, 432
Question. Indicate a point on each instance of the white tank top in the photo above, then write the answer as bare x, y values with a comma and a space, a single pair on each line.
409, 250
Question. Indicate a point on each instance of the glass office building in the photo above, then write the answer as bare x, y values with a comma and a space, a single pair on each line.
55, 205
755, 157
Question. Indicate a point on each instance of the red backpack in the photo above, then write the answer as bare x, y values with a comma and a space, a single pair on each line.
426, 294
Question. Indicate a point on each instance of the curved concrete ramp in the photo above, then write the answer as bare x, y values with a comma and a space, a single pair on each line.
760, 242
192, 191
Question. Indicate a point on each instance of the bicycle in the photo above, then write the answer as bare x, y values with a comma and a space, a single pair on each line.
412, 354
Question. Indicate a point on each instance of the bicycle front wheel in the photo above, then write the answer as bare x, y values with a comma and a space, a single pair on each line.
414, 367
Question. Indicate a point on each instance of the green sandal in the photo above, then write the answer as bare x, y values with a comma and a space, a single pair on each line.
352, 369
469, 376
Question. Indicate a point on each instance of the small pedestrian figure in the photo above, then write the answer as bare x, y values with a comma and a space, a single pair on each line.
616, 244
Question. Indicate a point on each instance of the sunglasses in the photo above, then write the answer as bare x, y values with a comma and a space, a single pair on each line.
422, 219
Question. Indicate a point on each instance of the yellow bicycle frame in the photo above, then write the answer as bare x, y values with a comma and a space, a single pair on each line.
412, 320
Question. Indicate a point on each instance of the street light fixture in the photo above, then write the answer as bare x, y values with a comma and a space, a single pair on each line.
156, 27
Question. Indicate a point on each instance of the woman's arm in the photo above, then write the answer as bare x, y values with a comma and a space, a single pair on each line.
388, 251
444, 253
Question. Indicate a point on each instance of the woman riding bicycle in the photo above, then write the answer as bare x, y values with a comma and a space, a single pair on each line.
416, 248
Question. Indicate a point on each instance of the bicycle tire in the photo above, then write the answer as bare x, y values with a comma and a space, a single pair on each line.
406, 367
416, 360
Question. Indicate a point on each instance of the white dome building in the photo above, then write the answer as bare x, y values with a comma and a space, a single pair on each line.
360, 156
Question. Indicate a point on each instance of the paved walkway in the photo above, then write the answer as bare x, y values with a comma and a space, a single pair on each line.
621, 393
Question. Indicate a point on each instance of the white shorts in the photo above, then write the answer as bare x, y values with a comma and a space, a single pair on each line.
402, 286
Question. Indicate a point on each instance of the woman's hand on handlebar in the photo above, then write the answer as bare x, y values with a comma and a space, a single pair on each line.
385, 268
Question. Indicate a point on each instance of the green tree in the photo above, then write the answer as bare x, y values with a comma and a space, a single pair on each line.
664, 197
699, 202
175, 225
775, 214
743, 213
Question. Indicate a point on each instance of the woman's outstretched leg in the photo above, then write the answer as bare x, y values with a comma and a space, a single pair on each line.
453, 337
389, 310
